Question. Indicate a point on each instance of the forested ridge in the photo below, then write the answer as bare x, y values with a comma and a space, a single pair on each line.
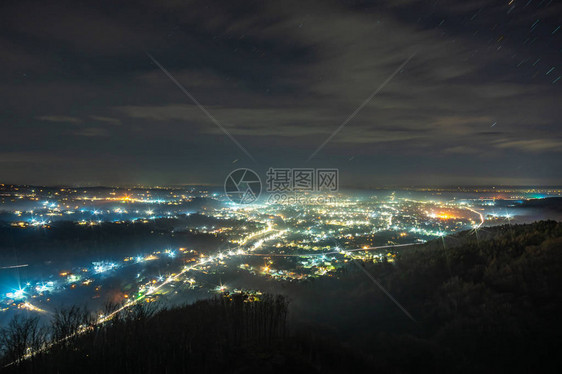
486, 301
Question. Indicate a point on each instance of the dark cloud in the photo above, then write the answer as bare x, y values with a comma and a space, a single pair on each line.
79, 91
64, 119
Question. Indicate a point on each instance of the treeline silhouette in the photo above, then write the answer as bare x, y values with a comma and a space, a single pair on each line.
486, 301
207, 335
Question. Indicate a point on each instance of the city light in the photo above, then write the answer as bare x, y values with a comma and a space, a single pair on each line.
315, 241
102, 267
18, 294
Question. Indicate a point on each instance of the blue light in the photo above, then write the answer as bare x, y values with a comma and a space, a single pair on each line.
45, 287
17, 294
102, 267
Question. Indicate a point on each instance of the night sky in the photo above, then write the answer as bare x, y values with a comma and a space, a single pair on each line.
478, 101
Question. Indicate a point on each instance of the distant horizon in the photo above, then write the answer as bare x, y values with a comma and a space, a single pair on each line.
392, 168
344, 188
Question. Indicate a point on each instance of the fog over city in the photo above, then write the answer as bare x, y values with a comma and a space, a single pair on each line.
280, 186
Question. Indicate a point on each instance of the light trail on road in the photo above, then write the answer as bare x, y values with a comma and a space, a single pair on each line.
331, 252
480, 214
237, 252
105, 318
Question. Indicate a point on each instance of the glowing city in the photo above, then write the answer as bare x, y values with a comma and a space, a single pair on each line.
281, 242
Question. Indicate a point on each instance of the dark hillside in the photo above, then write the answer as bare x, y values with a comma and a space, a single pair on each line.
489, 304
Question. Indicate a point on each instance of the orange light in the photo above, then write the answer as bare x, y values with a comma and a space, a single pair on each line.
444, 215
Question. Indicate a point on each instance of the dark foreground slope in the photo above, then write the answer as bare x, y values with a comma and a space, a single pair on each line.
490, 303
